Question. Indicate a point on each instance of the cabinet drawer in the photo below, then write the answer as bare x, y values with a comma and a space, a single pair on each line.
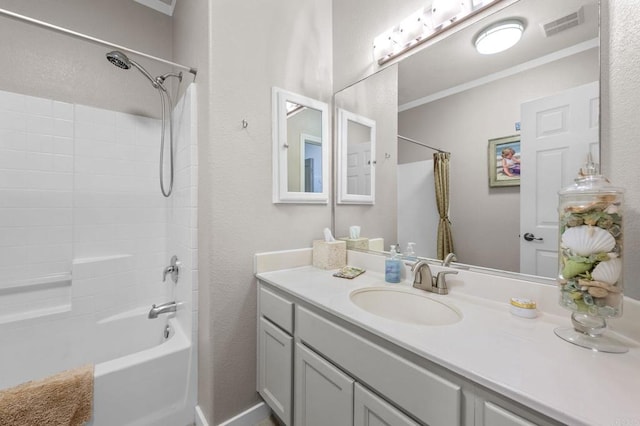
429, 397
498, 416
278, 309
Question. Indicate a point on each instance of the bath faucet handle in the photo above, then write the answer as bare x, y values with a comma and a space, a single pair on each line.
441, 281
451, 257
173, 269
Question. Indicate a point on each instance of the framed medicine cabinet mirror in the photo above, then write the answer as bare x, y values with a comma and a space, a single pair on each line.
355, 158
300, 149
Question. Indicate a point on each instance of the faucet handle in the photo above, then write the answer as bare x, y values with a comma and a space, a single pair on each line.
441, 281
173, 269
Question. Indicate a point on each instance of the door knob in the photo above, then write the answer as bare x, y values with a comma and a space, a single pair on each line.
530, 237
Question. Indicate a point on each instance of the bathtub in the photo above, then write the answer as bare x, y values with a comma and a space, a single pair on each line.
144, 368
142, 378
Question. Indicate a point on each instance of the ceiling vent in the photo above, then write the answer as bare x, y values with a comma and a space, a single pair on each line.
164, 6
561, 24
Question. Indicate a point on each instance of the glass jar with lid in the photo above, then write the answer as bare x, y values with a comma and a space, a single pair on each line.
590, 258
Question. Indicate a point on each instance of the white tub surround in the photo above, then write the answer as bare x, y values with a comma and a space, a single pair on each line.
518, 358
88, 235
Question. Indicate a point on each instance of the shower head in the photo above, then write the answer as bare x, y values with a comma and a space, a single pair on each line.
121, 60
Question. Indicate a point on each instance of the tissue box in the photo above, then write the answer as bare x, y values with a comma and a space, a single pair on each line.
376, 244
329, 254
356, 243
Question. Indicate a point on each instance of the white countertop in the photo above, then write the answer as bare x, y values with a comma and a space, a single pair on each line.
517, 357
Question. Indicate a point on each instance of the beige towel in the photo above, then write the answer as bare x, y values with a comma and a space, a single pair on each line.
62, 399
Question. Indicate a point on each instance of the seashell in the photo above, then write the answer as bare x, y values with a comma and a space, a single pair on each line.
585, 240
608, 271
586, 284
598, 292
611, 209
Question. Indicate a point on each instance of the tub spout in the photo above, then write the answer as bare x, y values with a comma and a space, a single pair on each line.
162, 309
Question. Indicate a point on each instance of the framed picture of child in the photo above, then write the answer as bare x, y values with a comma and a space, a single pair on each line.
504, 161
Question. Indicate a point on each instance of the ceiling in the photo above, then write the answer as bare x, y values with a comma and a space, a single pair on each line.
454, 60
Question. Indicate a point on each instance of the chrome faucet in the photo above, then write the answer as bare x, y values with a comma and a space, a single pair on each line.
423, 280
451, 257
162, 309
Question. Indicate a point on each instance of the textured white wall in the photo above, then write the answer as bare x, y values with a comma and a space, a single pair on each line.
51, 65
255, 45
621, 127
375, 98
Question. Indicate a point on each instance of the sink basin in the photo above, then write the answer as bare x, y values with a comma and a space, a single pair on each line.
404, 305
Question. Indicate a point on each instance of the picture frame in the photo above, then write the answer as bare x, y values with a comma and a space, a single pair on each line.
507, 172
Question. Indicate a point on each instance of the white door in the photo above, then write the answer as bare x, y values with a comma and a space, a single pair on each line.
557, 134
359, 168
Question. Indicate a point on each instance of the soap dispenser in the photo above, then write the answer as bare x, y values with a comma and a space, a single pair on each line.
410, 252
392, 266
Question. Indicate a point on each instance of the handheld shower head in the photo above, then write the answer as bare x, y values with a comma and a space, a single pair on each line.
121, 60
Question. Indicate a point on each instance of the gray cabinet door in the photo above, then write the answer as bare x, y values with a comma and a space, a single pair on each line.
324, 394
371, 410
275, 357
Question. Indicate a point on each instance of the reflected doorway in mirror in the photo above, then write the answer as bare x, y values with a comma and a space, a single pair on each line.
355, 159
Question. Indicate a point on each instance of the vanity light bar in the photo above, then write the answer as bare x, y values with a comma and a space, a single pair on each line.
423, 25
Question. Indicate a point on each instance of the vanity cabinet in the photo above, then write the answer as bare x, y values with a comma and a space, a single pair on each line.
275, 353
345, 375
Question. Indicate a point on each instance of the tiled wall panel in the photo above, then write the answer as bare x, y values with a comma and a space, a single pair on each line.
36, 187
80, 182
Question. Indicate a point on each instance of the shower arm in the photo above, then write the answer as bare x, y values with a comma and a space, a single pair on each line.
161, 78
82, 36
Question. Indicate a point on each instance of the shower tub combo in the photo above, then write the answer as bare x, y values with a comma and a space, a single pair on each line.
86, 237
144, 368
86, 230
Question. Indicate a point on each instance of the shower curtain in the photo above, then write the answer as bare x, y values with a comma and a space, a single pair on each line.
441, 177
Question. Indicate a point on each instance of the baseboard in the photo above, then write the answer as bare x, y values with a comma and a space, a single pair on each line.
249, 417
201, 420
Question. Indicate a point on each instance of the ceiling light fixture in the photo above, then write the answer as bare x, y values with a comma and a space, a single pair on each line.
423, 25
499, 37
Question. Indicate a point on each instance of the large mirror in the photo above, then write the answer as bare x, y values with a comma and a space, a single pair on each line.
454, 99
300, 151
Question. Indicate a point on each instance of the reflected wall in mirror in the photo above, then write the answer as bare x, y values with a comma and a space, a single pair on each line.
375, 98
300, 151
355, 158
455, 99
